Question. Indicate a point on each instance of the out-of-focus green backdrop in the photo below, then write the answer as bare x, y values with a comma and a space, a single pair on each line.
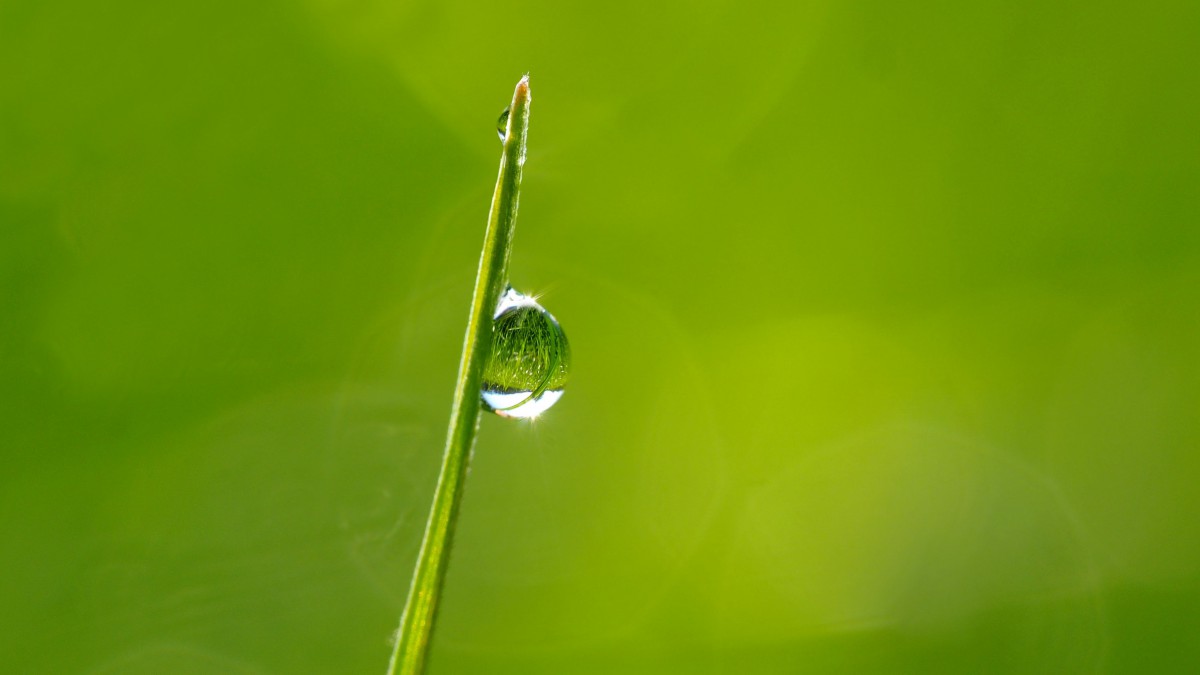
884, 319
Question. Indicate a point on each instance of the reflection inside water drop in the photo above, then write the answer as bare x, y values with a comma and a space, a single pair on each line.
529, 361
502, 125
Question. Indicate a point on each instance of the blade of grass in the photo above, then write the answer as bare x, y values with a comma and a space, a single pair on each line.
420, 610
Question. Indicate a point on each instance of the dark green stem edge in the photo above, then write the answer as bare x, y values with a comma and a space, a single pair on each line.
420, 610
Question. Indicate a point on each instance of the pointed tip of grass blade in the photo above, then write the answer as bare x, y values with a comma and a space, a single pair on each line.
517, 113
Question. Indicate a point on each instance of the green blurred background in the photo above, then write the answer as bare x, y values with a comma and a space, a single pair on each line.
884, 319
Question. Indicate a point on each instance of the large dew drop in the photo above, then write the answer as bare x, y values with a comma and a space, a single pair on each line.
530, 358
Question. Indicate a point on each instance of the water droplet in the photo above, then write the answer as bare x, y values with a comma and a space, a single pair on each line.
530, 358
502, 125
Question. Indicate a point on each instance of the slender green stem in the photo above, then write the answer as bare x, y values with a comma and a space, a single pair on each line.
420, 611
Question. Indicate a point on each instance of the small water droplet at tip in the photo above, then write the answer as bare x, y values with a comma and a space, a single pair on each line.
502, 125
